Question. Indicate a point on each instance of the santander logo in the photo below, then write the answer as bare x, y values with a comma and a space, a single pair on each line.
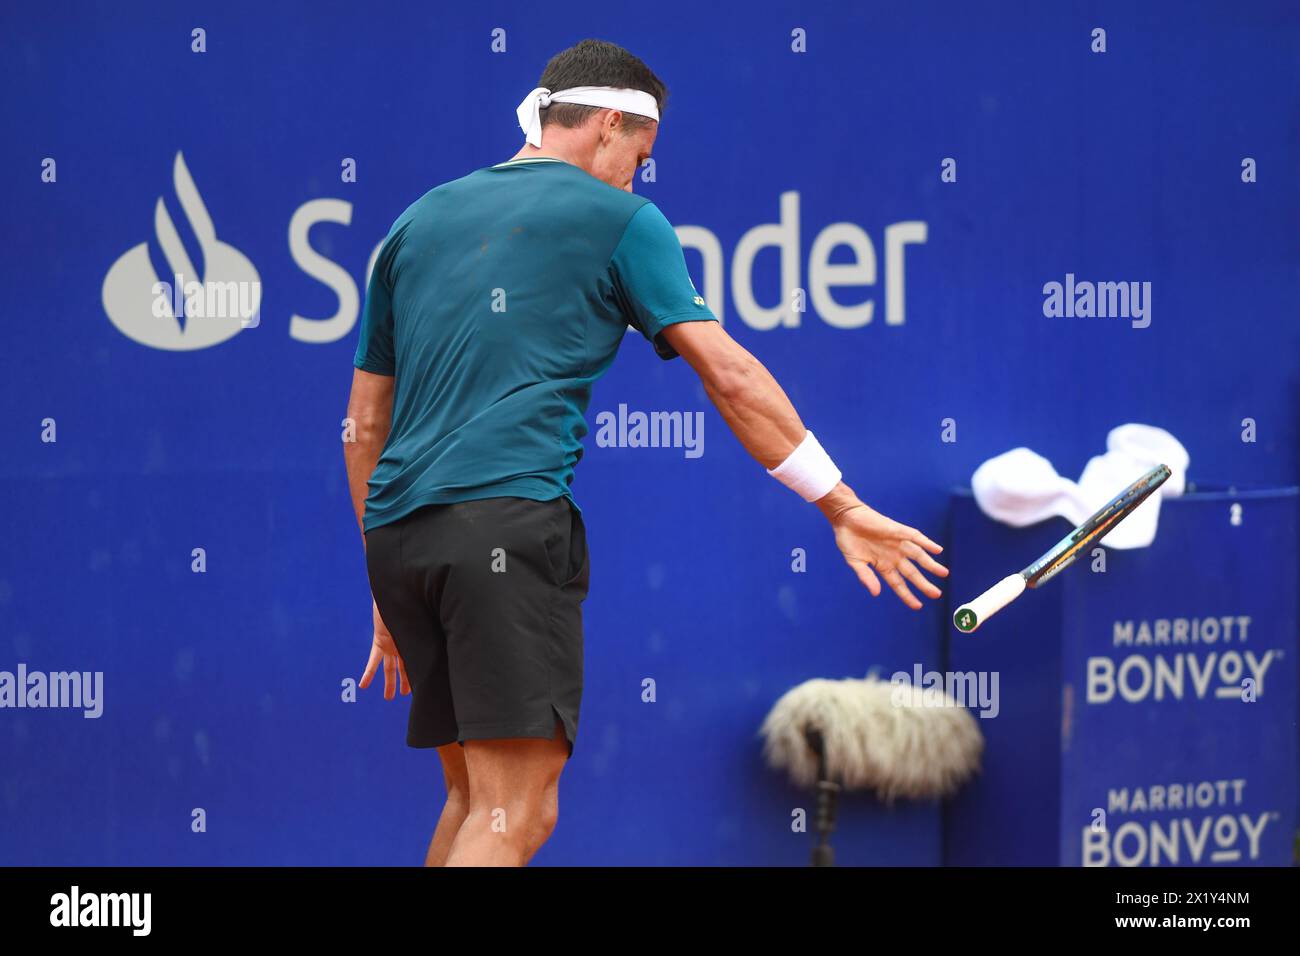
183, 311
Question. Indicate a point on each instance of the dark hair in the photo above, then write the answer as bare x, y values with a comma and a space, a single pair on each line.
597, 63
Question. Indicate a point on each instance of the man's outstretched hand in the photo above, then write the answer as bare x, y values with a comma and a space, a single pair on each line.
873, 544
384, 649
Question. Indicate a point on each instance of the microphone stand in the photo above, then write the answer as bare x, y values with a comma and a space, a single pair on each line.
827, 801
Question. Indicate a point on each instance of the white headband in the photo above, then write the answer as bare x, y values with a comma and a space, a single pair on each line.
606, 97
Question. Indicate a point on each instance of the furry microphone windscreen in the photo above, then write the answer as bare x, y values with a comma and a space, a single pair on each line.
892, 738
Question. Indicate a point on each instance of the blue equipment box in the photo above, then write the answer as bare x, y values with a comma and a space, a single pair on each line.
1146, 713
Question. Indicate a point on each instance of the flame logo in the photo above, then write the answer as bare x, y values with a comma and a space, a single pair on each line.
130, 292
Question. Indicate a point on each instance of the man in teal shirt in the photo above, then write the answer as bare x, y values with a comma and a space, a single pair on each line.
495, 303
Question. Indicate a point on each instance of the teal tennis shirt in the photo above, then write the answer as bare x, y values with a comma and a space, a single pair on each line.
496, 302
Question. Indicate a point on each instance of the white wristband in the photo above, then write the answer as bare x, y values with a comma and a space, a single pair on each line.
808, 471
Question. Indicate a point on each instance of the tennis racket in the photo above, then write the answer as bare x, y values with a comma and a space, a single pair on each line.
970, 616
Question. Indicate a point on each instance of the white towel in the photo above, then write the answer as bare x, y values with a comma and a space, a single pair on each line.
1020, 487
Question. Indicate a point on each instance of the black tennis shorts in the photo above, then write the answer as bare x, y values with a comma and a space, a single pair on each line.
484, 602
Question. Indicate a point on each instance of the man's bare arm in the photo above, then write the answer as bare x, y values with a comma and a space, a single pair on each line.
370, 407
757, 410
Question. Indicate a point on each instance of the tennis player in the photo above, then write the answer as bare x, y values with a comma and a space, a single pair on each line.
495, 303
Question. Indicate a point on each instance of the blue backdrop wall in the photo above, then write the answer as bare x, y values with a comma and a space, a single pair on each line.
223, 689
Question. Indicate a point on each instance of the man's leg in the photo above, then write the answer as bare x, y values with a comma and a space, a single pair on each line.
408, 597
514, 799
454, 811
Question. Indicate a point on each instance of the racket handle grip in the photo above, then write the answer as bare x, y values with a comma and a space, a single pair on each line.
970, 616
